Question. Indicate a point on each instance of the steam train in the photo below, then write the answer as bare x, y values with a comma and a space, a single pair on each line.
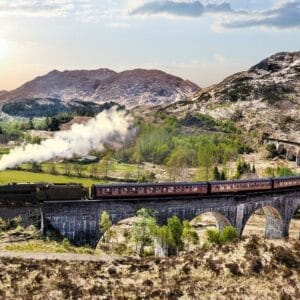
42, 192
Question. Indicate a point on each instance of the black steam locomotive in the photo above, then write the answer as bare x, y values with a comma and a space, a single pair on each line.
40, 192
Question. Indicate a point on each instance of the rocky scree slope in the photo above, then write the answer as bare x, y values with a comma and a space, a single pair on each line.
265, 98
129, 88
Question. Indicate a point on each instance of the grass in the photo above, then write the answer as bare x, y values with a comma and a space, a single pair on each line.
25, 176
120, 170
46, 246
4, 151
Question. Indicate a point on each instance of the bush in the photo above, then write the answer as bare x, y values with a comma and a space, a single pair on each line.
271, 148
14, 223
227, 235
213, 236
3, 225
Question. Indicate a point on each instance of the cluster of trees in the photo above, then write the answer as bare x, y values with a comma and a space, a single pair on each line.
16, 130
166, 240
166, 144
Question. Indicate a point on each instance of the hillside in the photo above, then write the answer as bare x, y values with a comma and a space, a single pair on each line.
129, 88
266, 98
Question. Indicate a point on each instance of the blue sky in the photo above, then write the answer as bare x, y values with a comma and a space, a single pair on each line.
202, 41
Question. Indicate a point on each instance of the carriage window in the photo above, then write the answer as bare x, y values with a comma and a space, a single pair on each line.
195, 188
106, 190
150, 189
141, 190
170, 189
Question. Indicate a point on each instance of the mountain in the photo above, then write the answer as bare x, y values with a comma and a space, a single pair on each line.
266, 98
2, 93
129, 88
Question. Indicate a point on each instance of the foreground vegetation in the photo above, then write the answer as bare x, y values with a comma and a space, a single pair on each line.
253, 268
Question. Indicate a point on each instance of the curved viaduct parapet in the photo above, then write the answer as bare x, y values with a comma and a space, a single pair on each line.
79, 220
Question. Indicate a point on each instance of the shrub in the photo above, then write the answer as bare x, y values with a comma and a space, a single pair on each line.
3, 225
271, 148
228, 234
213, 236
14, 223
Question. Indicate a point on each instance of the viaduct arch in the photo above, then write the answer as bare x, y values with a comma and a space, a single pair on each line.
291, 149
79, 220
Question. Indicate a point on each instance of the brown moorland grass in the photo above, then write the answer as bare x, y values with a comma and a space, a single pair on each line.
253, 268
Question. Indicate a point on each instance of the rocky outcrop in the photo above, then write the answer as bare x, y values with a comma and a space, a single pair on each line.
264, 98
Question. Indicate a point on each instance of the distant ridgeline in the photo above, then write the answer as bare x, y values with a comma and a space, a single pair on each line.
49, 107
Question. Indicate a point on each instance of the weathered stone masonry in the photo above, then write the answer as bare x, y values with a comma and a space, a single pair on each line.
79, 220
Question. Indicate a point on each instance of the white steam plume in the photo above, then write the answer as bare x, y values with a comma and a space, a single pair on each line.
110, 126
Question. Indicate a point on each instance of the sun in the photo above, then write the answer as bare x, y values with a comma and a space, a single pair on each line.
3, 47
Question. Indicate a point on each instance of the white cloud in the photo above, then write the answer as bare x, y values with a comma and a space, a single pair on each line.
285, 14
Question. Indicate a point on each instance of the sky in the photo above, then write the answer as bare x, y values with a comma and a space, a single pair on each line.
203, 41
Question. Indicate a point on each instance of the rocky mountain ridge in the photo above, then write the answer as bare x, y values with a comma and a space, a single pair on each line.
266, 98
129, 88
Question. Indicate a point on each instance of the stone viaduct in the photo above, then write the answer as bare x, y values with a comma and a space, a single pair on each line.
78, 220
289, 148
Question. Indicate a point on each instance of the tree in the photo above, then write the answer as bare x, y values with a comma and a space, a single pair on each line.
207, 156
189, 234
144, 229
36, 167
105, 225
94, 170
180, 160
67, 167
164, 241
52, 169
176, 228
52, 124
78, 169
216, 173
106, 164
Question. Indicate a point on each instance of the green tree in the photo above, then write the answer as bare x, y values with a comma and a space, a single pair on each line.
94, 170
164, 240
106, 164
36, 167
143, 230
216, 174
52, 124
207, 156
105, 224
189, 234
176, 229
180, 160
52, 169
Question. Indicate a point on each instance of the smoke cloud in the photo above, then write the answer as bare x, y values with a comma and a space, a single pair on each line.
110, 126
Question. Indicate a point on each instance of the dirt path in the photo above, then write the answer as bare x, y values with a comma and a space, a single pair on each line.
57, 256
